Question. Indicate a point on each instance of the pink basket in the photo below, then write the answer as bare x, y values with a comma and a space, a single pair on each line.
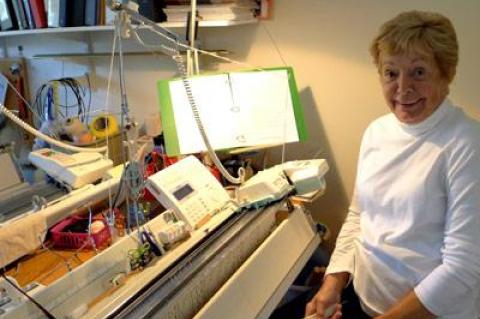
72, 240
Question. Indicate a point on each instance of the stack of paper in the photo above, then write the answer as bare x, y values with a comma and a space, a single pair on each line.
209, 10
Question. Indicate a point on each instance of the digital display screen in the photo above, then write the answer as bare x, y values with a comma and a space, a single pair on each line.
183, 191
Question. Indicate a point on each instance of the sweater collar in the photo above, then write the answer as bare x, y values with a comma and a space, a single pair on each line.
430, 122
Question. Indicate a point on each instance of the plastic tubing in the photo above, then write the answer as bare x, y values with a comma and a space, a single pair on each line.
183, 74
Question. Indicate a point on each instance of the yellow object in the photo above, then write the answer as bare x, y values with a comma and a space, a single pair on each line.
104, 126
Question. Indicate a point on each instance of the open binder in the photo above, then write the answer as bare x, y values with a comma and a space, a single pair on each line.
237, 109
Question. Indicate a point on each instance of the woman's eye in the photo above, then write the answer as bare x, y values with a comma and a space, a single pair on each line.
389, 74
419, 72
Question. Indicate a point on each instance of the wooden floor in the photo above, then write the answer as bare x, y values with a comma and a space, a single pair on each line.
46, 266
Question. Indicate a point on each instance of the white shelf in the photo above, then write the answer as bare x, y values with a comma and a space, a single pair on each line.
206, 23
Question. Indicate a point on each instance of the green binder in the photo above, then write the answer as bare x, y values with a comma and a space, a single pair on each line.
237, 109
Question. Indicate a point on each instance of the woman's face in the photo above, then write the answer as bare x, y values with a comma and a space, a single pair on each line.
412, 85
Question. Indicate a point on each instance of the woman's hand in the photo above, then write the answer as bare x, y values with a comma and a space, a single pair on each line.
326, 303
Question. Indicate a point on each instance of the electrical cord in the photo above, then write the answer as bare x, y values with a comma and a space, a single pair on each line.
70, 85
89, 105
277, 48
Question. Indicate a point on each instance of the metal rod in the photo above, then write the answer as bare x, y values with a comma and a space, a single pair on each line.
117, 6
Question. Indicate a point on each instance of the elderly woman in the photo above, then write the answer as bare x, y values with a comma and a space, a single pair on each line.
411, 239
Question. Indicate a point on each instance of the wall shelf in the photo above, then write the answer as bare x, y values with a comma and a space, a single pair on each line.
205, 23
108, 54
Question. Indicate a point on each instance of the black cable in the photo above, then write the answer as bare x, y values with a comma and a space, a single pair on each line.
45, 311
69, 85
89, 96
66, 97
39, 101
78, 91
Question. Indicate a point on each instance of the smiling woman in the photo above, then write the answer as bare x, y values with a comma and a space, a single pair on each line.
416, 54
412, 85
410, 241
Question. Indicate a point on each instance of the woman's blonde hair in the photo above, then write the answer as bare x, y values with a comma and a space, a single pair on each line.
421, 32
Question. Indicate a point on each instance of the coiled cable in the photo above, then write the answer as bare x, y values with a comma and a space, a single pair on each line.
186, 84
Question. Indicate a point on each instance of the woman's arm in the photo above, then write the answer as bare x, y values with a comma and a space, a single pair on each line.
342, 259
339, 270
451, 287
409, 307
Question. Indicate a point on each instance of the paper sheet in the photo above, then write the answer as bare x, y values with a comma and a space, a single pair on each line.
237, 110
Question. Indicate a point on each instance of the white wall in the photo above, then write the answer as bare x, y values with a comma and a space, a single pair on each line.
327, 44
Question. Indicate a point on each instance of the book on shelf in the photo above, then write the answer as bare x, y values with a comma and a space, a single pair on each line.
63, 16
53, 13
28, 14
34, 14
91, 17
8, 21
71, 13
39, 14
101, 11
152, 9
20, 14
77, 13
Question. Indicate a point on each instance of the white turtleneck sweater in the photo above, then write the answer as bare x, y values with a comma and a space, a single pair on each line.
414, 221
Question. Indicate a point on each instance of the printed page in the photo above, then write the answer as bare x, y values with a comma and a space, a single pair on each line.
265, 108
240, 109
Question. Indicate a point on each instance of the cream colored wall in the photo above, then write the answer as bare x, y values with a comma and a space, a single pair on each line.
325, 41
327, 44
